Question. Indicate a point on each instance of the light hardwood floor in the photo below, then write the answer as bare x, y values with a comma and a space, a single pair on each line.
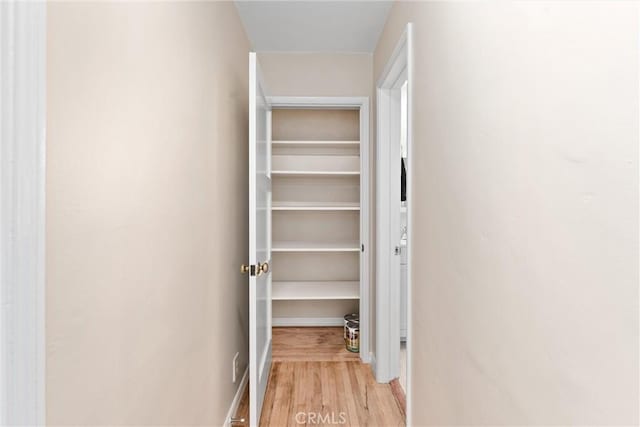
310, 344
314, 382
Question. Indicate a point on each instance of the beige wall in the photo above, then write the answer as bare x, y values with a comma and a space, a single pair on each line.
525, 298
146, 212
316, 74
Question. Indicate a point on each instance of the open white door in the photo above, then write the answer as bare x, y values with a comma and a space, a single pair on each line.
259, 241
394, 113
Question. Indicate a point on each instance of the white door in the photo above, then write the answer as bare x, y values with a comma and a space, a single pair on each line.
395, 206
259, 241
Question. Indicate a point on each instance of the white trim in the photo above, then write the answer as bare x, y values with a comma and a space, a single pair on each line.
22, 214
321, 52
360, 103
335, 102
388, 217
397, 60
235, 403
307, 321
386, 367
410, 239
365, 280
372, 361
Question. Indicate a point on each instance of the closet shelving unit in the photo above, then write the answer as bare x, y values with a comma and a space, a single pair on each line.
311, 215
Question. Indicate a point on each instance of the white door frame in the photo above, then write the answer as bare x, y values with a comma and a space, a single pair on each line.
361, 104
22, 212
397, 69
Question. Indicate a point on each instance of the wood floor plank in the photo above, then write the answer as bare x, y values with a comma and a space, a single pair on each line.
315, 389
399, 394
354, 414
359, 391
269, 398
329, 389
283, 387
300, 395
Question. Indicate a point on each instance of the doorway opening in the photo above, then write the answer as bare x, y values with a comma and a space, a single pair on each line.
394, 221
320, 215
309, 254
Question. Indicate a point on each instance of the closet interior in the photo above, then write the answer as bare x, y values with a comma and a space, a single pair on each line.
315, 170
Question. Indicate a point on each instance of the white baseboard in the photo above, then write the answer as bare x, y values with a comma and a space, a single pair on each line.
237, 398
307, 321
372, 359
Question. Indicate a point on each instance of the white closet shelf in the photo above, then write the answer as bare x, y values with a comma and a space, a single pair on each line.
315, 247
326, 290
316, 206
313, 173
316, 144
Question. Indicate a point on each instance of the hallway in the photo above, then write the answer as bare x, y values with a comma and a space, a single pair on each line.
315, 381
177, 177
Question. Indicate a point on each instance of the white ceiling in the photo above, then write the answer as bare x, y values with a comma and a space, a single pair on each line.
313, 25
